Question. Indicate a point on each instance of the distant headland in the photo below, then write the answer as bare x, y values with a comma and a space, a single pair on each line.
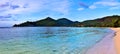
108, 21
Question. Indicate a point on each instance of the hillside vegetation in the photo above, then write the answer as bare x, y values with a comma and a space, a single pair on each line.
108, 21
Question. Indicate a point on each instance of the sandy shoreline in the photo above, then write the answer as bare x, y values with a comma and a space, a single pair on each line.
105, 46
117, 39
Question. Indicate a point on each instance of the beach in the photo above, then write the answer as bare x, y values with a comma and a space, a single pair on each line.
117, 39
106, 45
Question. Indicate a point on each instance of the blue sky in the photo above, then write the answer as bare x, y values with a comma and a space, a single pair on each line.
17, 11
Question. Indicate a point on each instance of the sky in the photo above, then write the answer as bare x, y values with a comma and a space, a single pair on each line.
18, 11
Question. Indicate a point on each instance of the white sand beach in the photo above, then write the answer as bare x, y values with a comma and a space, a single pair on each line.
105, 46
117, 39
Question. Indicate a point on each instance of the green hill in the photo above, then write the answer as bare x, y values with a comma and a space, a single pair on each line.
49, 22
108, 21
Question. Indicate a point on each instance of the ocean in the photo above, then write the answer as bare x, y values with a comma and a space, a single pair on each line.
50, 40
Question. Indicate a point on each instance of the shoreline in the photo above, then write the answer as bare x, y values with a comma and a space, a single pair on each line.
117, 39
105, 46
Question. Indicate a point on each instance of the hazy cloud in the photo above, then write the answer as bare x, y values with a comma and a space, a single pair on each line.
4, 5
80, 9
6, 16
14, 7
112, 4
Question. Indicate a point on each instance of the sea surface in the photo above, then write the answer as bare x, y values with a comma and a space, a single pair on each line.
50, 40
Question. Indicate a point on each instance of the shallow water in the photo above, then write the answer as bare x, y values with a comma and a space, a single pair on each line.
49, 40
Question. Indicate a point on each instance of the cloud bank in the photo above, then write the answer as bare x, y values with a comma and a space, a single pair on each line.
9, 8
111, 4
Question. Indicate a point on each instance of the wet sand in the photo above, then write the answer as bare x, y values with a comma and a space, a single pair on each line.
105, 46
117, 39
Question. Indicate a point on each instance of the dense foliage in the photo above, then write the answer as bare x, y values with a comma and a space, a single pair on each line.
109, 21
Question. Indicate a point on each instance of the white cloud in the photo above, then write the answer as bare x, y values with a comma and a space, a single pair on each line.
61, 6
92, 7
80, 9
32, 6
113, 4
105, 3
28, 7
114, 8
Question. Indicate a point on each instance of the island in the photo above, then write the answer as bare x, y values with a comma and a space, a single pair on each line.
107, 21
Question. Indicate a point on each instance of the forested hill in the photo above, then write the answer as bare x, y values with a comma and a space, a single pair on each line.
49, 22
108, 21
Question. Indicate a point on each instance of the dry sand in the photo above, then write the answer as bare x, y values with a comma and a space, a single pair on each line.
105, 46
117, 39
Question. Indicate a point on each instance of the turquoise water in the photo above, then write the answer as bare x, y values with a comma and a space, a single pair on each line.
49, 40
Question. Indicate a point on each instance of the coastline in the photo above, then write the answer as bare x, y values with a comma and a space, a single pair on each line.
105, 46
117, 39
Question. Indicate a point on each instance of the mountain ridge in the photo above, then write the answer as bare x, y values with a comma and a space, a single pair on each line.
48, 21
108, 21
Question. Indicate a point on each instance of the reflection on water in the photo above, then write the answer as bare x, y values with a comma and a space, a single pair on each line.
49, 40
